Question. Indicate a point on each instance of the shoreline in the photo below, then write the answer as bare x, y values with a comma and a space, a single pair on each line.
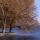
3, 34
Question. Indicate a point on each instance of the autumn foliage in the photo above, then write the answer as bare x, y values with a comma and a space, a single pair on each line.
18, 12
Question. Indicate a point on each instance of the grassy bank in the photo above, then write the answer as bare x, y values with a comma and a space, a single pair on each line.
8, 37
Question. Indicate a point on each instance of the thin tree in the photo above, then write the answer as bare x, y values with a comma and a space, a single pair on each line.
12, 19
4, 16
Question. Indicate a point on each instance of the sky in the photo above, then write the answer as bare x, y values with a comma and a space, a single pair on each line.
37, 4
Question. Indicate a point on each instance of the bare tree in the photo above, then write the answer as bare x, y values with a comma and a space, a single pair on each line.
12, 18
4, 8
26, 15
4, 11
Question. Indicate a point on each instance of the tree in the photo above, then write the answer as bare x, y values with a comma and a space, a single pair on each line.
26, 15
11, 19
4, 19
1, 19
19, 12
8, 16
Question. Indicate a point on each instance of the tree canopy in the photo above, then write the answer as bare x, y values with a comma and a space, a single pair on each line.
18, 12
